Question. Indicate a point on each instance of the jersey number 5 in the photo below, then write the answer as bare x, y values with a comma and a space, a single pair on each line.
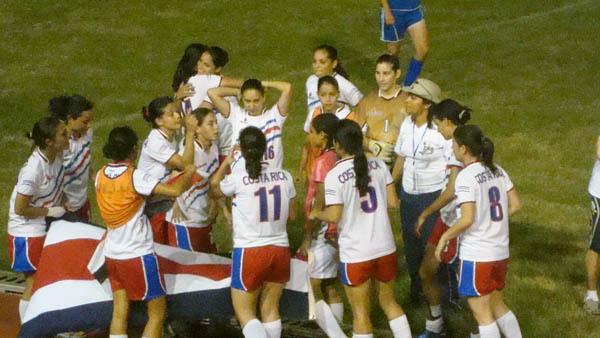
495, 206
370, 205
264, 206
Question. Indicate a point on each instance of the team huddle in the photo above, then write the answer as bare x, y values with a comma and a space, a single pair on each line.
216, 149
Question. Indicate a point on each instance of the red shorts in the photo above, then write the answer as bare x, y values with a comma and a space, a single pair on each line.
191, 238
139, 276
383, 268
451, 251
24, 252
251, 267
159, 228
481, 278
84, 211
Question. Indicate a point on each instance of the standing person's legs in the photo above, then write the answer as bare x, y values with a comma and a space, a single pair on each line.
269, 308
358, 296
244, 305
393, 311
418, 34
484, 316
505, 318
156, 316
592, 260
24, 255
118, 323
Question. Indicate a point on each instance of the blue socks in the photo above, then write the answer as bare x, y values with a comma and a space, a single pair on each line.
414, 69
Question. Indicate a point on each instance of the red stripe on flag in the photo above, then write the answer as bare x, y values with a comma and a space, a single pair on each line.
212, 271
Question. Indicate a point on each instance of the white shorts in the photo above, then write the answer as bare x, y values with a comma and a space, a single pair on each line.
326, 260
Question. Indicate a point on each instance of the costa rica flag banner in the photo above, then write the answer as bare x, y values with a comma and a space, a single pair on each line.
71, 292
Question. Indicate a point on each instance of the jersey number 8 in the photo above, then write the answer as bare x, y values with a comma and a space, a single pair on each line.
495, 206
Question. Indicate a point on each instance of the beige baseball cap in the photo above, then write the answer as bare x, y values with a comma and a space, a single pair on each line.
424, 88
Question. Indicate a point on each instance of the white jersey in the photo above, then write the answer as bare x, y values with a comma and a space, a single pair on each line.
364, 230
594, 186
43, 181
348, 92
424, 152
260, 207
194, 202
156, 152
201, 83
450, 213
487, 238
77, 160
342, 113
134, 239
270, 122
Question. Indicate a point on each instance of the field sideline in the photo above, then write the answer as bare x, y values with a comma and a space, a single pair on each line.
528, 69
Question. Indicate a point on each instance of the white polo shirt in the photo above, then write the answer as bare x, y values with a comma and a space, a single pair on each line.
424, 150
156, 152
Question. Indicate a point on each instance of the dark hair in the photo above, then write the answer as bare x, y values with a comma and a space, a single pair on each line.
328, 79
219, 56
332, 53
252, 84
121, 142
451, 110
478, 145
253, 145
44, 129
327, 123
201, 113
63, 106
392, 60
155, 109
186, 67
350, 138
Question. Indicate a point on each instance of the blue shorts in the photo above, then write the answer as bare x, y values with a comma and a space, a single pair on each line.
404, 19
594, 220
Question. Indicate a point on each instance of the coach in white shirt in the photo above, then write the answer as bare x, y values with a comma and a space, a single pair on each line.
421, 165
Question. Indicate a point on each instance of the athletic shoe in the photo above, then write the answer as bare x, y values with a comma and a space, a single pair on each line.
429, 334
591, 306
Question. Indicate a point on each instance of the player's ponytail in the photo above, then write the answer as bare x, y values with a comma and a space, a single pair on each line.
121, 143
253, 145
332, 53
327, 123
478, 145
350, 139
44, 129
155, 109
187, 66
451, 110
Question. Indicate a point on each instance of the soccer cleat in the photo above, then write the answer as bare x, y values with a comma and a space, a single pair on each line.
429, 334
591, 306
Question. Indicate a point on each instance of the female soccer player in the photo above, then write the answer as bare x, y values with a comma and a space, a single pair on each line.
325, 62
421, 162
263, 197
329, 94
446, 115
77, 113
592, 255
487, 199
130, 259
159, 154
381, 112
398, 16
358, 192
36, 195
270, 121
189, 222
318, 236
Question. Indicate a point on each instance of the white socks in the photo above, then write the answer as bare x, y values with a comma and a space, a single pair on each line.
273, 328
436, 310
326, 320
356, 335
117, 336
592, 294
400, 327
338, 311
435, 326
509, 325
489, 331
22, 308
254, 329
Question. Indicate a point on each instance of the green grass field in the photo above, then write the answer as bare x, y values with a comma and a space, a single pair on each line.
528, 69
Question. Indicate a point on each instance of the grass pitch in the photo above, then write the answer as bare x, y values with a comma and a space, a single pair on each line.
528, 69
